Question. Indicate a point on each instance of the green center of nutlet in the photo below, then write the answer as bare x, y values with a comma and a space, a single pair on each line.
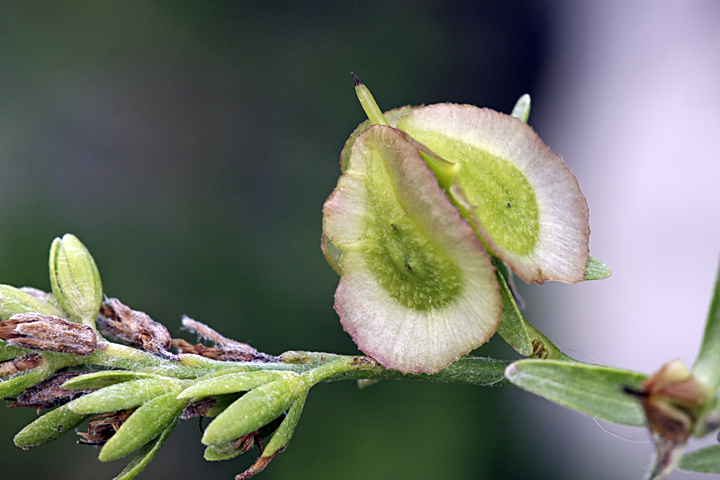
406, 262
506, 204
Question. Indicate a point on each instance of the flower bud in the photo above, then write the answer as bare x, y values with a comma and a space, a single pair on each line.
671, 399
75, 279
48, 333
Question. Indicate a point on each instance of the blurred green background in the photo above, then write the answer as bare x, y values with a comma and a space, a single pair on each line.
191, 145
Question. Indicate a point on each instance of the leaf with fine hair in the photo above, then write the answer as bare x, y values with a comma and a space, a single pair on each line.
14, 301
230, 383
253, 410
126, 395
49, 427
145, 455
18, 383
596, 270
593, 389
704, 460
144, 424
284, 433
104, 379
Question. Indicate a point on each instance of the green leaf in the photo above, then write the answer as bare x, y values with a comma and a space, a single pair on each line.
125, 395
8, 352
18, 383
519, 332
592, 389
145, 455
596, 270
146, 423
254, 410
704, 460
707, 365
13, 301
417, 288
521, 110
284, 433
104, 379
219, 453
49, 427
520, 196
231, 383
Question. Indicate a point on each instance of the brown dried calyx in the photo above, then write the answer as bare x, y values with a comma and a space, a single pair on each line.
103, 427
671, 399
48, 333
26, 362
225, 348
50, 393
134, 327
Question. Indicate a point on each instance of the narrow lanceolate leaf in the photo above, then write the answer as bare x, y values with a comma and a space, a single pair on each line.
49, 427
417, 287
104, 379
124, 395
253, 410
592, 389
13, 301
284, 433
8, 351
231, 383
146, 423
16, 384
145, 455
707, 365
705, 460
596, 270
522, 199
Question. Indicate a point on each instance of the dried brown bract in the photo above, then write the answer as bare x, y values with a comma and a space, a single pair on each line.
257, 467
671, 399
26, 362
103, 427
133, 327
48, 333
225, 348
221, 352
50, 393
199, 408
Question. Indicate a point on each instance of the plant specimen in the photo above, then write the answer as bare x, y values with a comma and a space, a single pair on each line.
436, 211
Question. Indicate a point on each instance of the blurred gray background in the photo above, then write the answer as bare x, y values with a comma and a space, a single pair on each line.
191, 145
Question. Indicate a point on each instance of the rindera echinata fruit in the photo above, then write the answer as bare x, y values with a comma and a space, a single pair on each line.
427, 197
522, 199
417, 288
